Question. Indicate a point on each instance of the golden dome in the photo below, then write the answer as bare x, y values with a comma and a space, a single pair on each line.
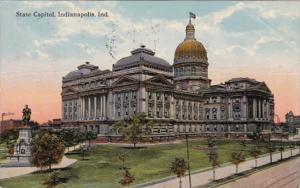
190, 48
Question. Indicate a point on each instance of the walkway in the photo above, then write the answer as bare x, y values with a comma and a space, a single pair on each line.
9, 172
205, 177
285, 175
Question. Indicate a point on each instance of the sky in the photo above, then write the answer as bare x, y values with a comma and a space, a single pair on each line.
259, 40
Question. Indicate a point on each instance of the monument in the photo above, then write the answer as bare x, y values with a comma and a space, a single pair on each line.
22, 150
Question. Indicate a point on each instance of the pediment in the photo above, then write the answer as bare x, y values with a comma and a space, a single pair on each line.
159, 79
262, 86
125, 80
70, 90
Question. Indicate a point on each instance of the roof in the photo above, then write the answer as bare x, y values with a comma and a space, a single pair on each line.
141, 55
241, 79
83, 69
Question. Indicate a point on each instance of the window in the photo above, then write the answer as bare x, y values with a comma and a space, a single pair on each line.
214, 99
193, 70
158, 96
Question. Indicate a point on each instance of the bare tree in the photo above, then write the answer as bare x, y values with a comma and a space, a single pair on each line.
179, 168
236, 159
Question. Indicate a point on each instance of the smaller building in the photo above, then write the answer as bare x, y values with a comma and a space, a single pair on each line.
292, 121
51, 124
11, 124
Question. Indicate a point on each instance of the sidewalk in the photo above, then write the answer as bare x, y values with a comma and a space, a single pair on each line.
205, 177
283, 175
9, 172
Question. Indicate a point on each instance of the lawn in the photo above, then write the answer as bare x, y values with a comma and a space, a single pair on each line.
102, 167
3, 152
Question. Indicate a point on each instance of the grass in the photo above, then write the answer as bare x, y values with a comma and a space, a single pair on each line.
102, 165
3, 152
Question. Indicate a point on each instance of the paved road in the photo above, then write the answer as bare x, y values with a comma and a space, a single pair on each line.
203, 178
285, 175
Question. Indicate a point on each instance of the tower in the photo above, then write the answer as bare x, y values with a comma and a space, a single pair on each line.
191, 63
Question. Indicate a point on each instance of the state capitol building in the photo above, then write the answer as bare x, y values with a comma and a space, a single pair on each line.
179, 98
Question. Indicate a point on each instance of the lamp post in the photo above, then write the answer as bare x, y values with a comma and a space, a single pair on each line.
188, 158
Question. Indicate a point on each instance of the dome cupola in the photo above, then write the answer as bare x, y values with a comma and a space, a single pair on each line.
190, 50
190, 62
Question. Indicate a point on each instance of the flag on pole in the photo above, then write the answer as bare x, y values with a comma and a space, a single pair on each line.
192, 15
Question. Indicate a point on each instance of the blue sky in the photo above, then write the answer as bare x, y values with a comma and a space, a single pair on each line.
253, 39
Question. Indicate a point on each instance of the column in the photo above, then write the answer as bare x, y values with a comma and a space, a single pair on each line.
262, 108
230, 109
72, 110
268, 112
85, 109
89, 108
110, 105
154, 96
79, 109
172, 111
63, 110
82, 108
95, 107
143, 97
104, 106
101, 108
163, 104
245, 107
113, 106
259, 108
180, 103
254, 108
67, 111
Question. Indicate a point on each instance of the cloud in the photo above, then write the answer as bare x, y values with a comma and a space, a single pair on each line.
41, 54
88, 50
219, 16
51, 41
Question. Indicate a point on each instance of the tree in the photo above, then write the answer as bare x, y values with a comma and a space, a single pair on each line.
67, 136
179, 168
52, 180
79, 137
271, 149
11, 149
236, 159
90, 135
9, 136
255, 152
292, 146
134, 128
47, 149
128, 178
214, 161
281, 149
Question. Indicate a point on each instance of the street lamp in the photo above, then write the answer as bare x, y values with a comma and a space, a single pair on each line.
188, 158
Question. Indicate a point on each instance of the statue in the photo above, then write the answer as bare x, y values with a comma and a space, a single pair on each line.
26, 115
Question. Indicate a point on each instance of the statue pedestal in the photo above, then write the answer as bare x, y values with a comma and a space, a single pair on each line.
22, 150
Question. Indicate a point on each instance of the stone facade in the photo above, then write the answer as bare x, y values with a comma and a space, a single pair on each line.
179, 98
292, 121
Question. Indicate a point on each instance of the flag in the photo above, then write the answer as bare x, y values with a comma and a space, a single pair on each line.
192, 15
